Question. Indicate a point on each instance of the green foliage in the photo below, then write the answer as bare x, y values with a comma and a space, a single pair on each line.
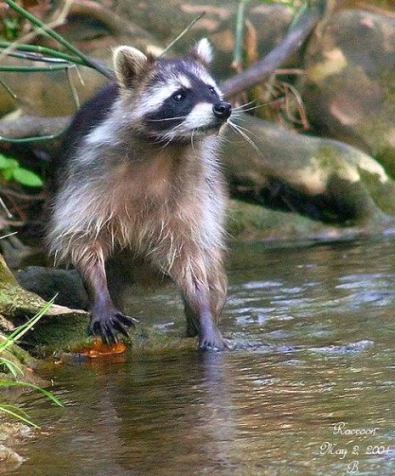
11, 28
10, 169
74, 54
16, 371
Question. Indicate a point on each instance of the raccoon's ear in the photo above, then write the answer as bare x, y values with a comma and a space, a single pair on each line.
129, 62
203, 52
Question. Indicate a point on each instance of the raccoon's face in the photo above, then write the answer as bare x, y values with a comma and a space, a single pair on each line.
171, 99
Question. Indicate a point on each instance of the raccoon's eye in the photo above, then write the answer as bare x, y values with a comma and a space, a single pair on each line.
212, 90
179, 96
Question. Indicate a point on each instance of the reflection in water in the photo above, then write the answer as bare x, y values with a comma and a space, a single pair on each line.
311, 377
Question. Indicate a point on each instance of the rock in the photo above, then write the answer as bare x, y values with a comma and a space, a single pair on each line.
348, 88
248, 222
12, 434
320, 178
66, 285
10, 460
15, 433
17, 304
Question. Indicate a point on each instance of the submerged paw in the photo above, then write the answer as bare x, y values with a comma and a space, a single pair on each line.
214, 343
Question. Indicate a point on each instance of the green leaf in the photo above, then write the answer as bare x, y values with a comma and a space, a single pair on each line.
7, 162
7, 174
16, 412
48, 394
22, 329
27, 177
3, 162
11, 367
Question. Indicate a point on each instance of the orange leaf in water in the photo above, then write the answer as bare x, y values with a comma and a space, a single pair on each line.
99, 349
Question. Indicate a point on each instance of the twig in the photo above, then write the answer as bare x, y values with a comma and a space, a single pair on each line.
300, 30
185, 30
8, 89
39, 53
238, 47
34, 69
50, 32
4, 206
28, 37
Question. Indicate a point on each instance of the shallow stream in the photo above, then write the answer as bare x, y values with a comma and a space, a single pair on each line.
309, 389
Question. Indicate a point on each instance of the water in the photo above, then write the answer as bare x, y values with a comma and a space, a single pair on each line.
309, 389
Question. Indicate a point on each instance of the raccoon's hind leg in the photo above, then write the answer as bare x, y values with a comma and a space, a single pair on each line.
203, 299
200, 319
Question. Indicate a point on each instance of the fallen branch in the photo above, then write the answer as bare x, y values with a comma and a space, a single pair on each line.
117, 26
301, 29
31, 127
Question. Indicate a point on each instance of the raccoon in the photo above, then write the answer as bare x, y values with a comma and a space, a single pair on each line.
139, 177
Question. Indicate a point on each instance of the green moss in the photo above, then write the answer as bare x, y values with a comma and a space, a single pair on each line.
249, 222
383, 194
327, 157
57, 336
375, 132
58, 333
6, 277
148, 339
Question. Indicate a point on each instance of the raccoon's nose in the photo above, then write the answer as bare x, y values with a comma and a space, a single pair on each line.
222, 110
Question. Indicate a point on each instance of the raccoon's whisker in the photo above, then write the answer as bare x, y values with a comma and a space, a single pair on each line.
165, 141
247, 131
192, 142
169, 136
240, 117
244, 134
164, 119
251, 108
243, 107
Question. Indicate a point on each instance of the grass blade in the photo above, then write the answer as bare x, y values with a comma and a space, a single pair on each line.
17, 413
21, 330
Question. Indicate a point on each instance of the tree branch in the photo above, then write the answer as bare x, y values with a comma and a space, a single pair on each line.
30, 127
301, 29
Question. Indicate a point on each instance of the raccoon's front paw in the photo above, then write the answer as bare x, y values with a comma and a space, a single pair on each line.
108, 324
214, 342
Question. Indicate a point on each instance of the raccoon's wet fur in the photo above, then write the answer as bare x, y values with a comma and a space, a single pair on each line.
139, 177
